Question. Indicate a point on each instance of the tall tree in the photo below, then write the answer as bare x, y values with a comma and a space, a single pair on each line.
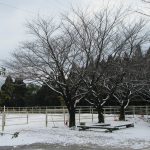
30, 97
125, 93
6, 94
47, 97
102, 37
19, 93
48, 58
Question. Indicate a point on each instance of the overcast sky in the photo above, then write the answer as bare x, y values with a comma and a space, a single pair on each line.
14, 13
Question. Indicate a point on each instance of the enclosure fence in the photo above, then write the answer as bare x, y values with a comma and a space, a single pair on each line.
59, 114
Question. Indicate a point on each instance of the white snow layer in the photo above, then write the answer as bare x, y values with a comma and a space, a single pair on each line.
36, 132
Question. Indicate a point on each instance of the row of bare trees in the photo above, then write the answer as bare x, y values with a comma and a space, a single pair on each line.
69, 57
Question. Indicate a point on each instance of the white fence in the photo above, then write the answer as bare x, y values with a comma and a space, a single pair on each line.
28, 115
83, 109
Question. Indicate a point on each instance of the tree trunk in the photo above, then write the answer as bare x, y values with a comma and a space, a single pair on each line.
72, 121
122, 114
100, 115
71, 110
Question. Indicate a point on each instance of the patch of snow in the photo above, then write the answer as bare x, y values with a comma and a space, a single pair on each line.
36, 132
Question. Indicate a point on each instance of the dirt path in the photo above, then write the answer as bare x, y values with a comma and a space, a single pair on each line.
39, 146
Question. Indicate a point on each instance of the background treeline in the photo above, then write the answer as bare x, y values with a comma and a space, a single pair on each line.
16, 93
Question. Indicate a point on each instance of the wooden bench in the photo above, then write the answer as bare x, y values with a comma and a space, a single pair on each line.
126, 125
101, 124
104, 126
108, 128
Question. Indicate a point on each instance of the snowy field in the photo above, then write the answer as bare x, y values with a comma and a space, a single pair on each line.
56, 133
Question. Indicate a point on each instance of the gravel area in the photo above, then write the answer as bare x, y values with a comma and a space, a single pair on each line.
39, 146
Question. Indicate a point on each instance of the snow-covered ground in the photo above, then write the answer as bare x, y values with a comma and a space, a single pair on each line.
57, 133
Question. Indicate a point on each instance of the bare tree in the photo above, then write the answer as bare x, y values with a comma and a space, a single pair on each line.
145, 74
48, 58
142, 11
134, 81
140, 35
146, 1
124, 94
97, 38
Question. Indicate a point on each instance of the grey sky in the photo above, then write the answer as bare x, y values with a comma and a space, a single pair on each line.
14, 13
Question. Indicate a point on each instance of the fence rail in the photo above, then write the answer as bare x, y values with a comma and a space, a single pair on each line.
84, 109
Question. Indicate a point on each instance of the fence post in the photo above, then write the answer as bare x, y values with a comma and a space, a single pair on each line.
3, 121
92, 114
90, 110
79, 115
46, 121
110, 110
133, 111
27, 117
114, 113
4, 115
4, 118
64, 115
147, 111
